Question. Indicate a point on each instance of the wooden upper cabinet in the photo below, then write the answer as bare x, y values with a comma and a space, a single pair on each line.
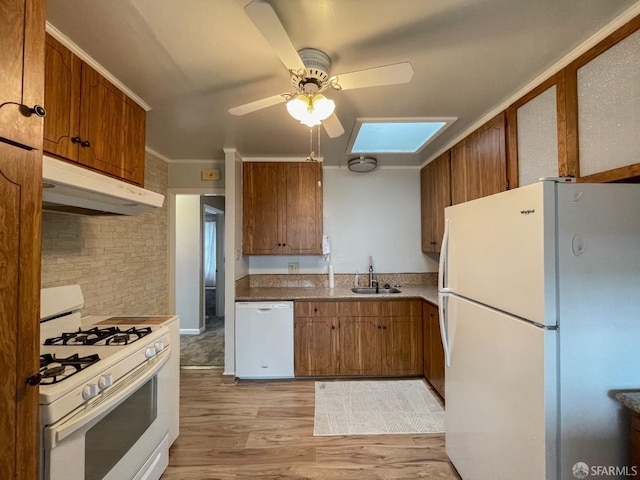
22, 63
478, 163
282, 208
435, 194
89, 120
114, 126
62, 85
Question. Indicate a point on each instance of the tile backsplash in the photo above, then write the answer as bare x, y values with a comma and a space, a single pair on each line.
121, 263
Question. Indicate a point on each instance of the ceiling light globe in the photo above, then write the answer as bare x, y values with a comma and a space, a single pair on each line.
298, 107
310, 121
323, 107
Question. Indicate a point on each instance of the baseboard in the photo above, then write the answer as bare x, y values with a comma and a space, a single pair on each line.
191, 331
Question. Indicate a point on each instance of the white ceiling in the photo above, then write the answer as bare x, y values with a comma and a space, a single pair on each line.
192, 60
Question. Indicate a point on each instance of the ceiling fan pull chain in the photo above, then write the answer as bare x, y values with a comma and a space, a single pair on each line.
319, 149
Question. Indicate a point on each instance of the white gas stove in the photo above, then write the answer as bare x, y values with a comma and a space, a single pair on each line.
102, 389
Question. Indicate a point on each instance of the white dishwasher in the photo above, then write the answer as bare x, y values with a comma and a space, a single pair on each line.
264, 339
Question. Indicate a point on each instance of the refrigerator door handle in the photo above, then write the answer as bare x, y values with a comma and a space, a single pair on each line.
444, 323
444, 260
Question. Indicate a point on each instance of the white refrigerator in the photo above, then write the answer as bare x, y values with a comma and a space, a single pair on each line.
540, 318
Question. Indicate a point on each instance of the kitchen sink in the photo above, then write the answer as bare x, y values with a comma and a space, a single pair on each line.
374, 290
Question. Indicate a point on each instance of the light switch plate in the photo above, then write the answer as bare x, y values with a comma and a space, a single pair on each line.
211, 174
294, 267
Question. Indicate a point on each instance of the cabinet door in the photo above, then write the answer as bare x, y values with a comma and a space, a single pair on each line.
261, 217
20, 220
62, 100
316, 346
302, 208
435, 191
360, 352
22, 64
111, 128
426, 340
478, 163
401, 342
437, 352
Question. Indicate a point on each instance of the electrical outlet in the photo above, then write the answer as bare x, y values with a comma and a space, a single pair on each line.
294, 267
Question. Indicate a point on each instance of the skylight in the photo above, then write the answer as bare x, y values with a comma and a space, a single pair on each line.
395, 135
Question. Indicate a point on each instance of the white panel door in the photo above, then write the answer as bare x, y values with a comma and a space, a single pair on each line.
500, 251
500, 410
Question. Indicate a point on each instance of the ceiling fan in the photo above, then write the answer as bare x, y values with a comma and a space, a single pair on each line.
310, 75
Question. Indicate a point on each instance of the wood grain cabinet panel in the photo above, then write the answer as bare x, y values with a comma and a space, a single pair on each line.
316, 346
282, 208
402, 346
479, 164
21, 83
358, 338
21, 63
360, 346
435, 196
434, 367
90, 121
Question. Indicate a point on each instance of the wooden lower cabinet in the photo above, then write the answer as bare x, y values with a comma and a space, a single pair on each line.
315, 346
360, 346
358, 338
433, 350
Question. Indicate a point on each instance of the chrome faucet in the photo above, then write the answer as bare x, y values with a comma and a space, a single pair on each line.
372, 282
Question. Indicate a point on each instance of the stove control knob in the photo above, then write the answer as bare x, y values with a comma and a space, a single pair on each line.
90, 390
159, 346
105, 381
150, 352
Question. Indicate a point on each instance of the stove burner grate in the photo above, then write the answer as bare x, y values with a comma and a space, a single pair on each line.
54, 369
100, 336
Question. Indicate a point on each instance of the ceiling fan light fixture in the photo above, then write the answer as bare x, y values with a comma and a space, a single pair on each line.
298, 107
310, 110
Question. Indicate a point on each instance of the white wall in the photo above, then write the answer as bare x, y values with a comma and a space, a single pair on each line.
188, 268
365, 214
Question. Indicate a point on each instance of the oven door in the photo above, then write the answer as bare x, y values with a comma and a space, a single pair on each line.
116, 435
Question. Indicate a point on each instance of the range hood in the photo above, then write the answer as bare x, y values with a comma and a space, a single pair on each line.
67, 188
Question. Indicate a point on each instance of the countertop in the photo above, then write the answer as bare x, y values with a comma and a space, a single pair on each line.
256, 294
631, 400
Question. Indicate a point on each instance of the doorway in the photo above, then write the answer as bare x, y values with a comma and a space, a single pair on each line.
199, 279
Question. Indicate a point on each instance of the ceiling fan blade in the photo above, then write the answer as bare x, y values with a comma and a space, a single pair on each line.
265, 19
257, 105
332, 126
372, 77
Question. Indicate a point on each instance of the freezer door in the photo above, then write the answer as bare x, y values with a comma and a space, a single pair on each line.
501, 252
501, 391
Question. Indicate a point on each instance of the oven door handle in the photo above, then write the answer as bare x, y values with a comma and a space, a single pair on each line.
96, 409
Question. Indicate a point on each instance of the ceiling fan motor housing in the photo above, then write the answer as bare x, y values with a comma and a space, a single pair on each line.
317, 65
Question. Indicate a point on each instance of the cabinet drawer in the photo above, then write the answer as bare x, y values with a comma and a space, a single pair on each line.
406, 308
364, 309
315, 309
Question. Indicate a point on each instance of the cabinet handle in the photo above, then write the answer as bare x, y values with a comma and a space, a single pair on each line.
384, 328
34, 380
85, 144
315, 309
379, 327
76, 139
333, 327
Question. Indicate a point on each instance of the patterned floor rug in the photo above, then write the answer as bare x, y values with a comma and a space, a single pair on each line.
206, 349
376, 407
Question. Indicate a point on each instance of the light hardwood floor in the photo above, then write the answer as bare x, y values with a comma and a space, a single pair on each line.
264, 429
